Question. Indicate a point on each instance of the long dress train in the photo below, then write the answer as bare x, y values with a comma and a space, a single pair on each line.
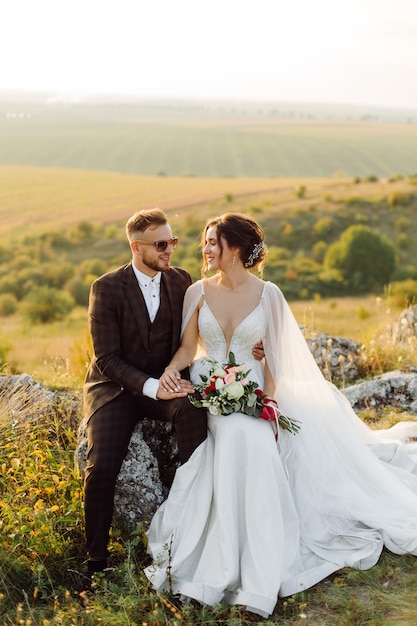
248, 519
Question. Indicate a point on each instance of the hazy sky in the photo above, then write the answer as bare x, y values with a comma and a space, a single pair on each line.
350, 51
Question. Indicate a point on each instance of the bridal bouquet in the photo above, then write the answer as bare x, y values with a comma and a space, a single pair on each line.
227, 389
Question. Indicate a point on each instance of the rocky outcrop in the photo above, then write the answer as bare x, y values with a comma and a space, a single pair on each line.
24, 400
405, 330
146, 472
338, 358
395, 389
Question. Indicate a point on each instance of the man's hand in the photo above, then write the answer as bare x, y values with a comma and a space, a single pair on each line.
258, 351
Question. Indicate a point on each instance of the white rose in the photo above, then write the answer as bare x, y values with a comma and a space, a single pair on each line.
213, 410
235, 390
219, 371
219, 383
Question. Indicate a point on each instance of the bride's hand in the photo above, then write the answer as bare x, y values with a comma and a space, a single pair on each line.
170, 379
171, 382
183, 388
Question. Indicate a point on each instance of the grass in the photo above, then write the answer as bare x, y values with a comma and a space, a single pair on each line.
42, 549
56, 353
38, 200
357, 318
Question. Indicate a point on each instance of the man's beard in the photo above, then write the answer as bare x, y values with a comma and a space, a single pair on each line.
155, 265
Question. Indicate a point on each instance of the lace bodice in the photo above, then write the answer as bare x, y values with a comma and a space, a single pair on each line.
249, 332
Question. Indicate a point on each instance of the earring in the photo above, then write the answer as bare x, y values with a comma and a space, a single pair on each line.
234, 261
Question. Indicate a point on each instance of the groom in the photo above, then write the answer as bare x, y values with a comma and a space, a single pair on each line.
135, 323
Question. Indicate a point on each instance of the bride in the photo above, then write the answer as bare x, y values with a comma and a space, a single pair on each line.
250, 518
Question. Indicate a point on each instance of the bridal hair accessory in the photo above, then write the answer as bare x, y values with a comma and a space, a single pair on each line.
254, 254
227, 389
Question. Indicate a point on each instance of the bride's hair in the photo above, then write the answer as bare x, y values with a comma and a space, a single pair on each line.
242, 232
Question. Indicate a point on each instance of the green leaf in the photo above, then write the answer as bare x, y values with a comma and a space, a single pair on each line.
232, 359
251, 401
195, 402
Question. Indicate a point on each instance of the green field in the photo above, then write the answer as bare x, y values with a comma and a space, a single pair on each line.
204, 142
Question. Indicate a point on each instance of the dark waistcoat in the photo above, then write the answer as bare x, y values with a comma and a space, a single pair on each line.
159, 339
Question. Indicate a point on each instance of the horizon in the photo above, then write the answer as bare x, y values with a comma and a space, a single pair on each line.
51, 97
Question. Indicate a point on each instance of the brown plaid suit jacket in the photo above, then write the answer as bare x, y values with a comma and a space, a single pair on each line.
118, 322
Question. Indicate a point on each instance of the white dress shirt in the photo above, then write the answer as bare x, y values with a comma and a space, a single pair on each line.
151, 289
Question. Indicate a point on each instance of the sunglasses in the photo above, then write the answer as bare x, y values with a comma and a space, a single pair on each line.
162, 244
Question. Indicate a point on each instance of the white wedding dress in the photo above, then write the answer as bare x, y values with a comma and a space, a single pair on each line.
248, 519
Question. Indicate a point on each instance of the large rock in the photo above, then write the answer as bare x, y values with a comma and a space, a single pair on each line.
405, 330
146, 472
338, 358
23, 400
395, 389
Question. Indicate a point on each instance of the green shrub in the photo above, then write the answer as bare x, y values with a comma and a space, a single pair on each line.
399, 198
79, 290
5, 348
404, 292
8, 304
301, 191
327, 197
46, 304
323, 228
403, 242
319, 251
364, 258
402, 224
93, 266
362, 313
10, 284
83, 232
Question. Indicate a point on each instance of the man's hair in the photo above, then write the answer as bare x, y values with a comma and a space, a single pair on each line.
142, 220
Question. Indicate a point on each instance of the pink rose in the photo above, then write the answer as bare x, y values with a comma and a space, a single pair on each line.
229, 378
236, 368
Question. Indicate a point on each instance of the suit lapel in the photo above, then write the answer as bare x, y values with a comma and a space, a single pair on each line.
174, 296
136, 301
